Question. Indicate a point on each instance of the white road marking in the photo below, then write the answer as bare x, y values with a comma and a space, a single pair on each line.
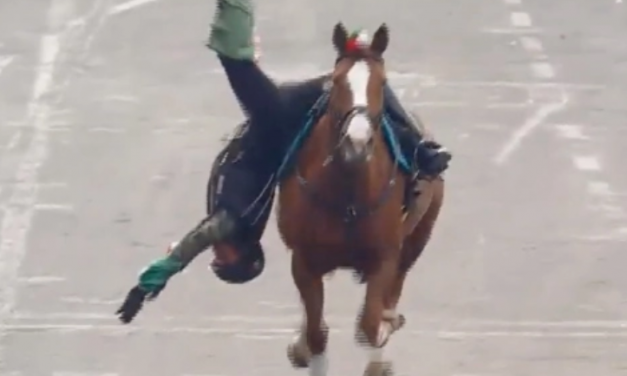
14, 140
543, 70
41, 280
512, 31
520, 19
531, 44
288, 332
445, 104
599, 188
531, 124
5, 61
74, 373
90, 301
120, 8
616, 235
20, 206
264, 322
521, 85
513, 2
106, 130
54, 207
586, 163
571, 132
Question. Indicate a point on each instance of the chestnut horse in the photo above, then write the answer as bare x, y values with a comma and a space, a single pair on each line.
345, 204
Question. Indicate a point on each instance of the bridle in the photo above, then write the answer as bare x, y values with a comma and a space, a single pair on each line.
351, 212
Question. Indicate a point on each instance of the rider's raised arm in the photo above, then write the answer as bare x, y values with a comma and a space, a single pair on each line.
232, 39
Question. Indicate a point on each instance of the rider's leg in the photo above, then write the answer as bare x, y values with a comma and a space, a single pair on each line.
430, 157
299, 98
232, 39
257, 94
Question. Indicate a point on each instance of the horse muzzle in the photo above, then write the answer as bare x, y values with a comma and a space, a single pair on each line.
355, 152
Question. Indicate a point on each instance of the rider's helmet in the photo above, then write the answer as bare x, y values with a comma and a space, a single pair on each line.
249, 264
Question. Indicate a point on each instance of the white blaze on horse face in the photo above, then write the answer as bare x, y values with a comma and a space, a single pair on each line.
359, 128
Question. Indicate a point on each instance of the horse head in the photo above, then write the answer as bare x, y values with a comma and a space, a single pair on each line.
356, 97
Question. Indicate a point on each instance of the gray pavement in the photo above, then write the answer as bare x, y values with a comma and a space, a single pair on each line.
110, 116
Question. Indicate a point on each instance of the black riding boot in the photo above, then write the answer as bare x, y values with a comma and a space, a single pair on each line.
430, 157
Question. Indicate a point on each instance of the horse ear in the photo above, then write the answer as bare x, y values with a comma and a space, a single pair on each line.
380, 40
340, 37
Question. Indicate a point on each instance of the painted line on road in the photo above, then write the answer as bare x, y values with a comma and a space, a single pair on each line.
531, 44
54, 207
14, 140
124, 7
599, 188
41, 280
19, 211
586, 163
516, 139
530, 85
543, 70
571, 132
5, 61
520, 19
530, 30
341, 320
287, 332
74, 373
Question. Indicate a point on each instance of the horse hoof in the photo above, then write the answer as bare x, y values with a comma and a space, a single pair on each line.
399, 322
296, 356
379, 369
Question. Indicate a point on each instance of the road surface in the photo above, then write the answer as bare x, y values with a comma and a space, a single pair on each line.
111, 113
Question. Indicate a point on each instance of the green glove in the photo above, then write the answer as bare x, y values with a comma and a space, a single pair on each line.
154, 278
232, 29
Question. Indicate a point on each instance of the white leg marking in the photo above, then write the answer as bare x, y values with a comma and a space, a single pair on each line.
318, 365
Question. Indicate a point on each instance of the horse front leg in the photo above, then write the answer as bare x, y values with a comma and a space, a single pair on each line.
391, 314
375, 326
309, 349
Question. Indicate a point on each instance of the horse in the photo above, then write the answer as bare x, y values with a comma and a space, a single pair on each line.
344, 205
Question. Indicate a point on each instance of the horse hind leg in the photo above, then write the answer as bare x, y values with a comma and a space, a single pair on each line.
309, 349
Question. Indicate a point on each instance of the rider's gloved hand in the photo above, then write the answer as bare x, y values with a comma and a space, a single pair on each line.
134, 302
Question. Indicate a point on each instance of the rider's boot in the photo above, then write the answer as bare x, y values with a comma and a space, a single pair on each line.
232, 30
430, 157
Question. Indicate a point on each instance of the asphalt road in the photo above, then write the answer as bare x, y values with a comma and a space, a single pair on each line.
111, 113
